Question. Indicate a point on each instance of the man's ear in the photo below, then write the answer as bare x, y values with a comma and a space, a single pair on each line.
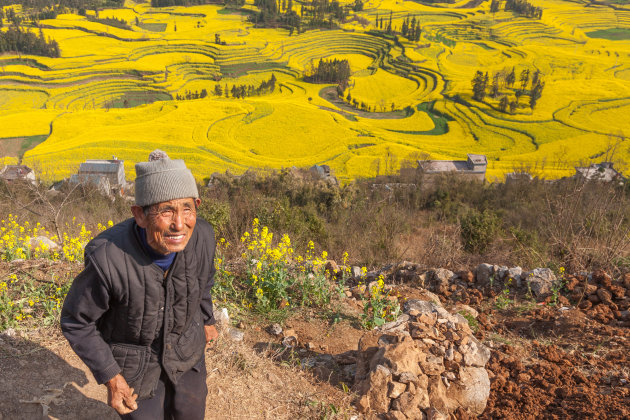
197, 202
138, 214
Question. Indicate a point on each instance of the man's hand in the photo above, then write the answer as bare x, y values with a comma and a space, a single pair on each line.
211, 335
120, 396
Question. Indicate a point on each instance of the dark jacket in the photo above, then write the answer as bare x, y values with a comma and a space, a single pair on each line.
124, 315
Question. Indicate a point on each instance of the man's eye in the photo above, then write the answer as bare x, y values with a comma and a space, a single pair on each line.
166, 213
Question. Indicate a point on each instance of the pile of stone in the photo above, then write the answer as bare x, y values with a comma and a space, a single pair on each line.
427, 364
601, 297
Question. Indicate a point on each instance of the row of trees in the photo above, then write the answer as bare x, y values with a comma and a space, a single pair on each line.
312, 14
328, 71
520, 7
169, 3
111, 21
410, 28
189, 95
19, 40
507, 79
62, 6
243, 91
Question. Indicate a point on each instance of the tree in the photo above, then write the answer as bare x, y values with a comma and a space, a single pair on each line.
217, 90
494, 88
536, 93
524, 78
503, 104
479, 86
513, 106
511, 78
217, 38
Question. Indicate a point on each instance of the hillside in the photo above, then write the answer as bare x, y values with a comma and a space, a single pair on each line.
115, 87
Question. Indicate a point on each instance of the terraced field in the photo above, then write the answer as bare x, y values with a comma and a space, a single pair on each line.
113, 91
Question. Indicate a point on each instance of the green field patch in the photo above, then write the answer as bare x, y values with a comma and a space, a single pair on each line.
153, 26
133, 99
613, 34
17, 146
440, 121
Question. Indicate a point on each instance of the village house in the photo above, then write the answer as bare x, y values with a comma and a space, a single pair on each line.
474, 167
603, 171
107, 175
17, 172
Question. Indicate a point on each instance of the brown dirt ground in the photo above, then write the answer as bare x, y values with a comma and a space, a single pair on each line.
547, 362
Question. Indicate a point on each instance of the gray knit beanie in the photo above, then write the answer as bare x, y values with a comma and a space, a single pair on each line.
162, 179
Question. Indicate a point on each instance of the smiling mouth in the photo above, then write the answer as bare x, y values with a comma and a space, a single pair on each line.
175, 237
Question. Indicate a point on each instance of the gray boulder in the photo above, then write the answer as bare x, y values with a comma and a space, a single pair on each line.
540, 281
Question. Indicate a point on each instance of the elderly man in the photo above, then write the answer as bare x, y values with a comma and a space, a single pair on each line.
139, 315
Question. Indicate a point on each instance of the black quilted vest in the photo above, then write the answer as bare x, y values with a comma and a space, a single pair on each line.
154, 322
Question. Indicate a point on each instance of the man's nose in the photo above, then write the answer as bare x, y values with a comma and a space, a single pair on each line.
178, 221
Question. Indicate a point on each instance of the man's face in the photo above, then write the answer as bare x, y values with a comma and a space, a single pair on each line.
169, 225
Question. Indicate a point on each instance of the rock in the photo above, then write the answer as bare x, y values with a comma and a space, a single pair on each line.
434, 414
603, 278
378, 379
617, 291
236, 335
395, 415
605, 296
275, 329
9, 333
590, 289
433, 365
356, 272
439, 280
475, 353
483, 273
626, 281
472, 390
399, 325
222, 318
240, 325
585, 305
594, 299
394, 389
290, 341
38, 241
460, 307
466, 276
363, 404
514, 273
332, 268
540, 281
399, 357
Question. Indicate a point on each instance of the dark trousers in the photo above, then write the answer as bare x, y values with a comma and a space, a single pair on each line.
185, 400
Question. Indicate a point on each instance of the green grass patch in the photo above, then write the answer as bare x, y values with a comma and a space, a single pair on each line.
612, 34
440, 121
17, 146
132, 99
153, 26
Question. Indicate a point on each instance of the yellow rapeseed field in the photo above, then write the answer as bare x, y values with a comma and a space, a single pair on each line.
113, 91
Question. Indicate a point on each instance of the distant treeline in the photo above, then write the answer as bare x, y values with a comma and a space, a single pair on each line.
115, 22
168, 3
506, 79
312, 14
410, 28
520, 7
243, 91
63, 4
329, 71
188, 95
19, 40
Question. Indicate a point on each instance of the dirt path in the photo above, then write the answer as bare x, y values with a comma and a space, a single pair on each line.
41, 377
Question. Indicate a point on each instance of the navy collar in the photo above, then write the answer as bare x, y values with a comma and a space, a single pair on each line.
162, 261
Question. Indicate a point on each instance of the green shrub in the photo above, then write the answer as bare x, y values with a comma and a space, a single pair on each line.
478, 230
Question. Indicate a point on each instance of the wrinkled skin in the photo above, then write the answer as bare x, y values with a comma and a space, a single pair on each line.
169, 225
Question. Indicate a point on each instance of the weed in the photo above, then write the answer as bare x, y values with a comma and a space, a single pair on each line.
472, 321
503, 300
379, 308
